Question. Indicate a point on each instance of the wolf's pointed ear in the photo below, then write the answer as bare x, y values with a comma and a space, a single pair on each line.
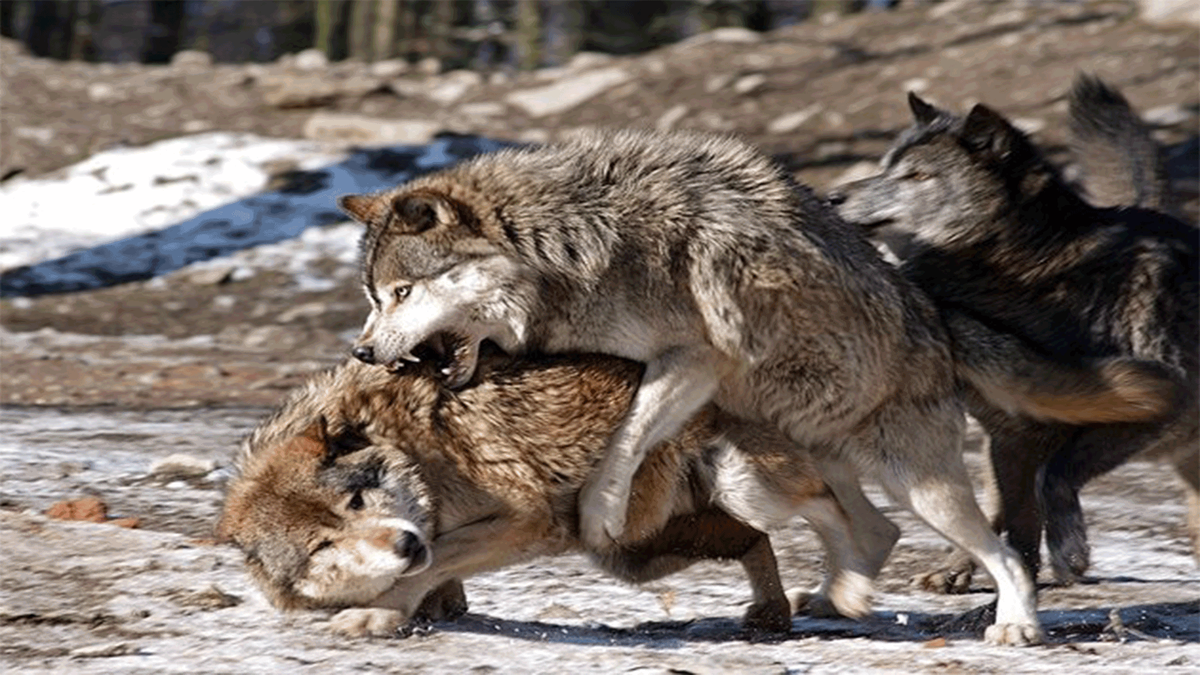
985, 130
418, 212
366, 209
923, 112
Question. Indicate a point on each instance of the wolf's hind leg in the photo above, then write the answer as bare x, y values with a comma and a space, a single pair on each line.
1094, 451
935, 486
858, 539
708, 535
675, 385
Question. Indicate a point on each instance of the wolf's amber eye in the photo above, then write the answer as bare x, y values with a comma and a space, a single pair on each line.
402, 292
918, 176
356, 502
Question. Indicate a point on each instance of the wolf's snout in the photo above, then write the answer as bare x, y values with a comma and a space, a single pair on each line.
364, 353
412, 548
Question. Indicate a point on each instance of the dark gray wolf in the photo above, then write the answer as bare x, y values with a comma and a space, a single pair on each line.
380, 492
699, 257
997, 235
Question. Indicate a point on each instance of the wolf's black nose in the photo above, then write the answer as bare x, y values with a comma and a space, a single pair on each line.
364, 353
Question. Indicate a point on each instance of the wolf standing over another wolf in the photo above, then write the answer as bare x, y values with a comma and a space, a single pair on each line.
697, 256
997, 235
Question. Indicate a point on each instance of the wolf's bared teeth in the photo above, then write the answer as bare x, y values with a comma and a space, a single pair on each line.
407, 356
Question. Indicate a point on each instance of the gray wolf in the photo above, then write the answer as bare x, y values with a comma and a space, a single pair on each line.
380, 493
700, 258
998, 236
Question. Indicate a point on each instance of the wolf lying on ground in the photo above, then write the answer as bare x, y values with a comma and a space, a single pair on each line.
370, 491
998, 236
699, 257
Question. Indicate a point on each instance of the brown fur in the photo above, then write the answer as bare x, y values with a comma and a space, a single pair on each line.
489, 476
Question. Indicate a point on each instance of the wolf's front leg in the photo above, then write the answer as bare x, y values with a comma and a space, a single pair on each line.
675, 385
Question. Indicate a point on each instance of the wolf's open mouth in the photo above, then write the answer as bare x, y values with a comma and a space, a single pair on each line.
453, 354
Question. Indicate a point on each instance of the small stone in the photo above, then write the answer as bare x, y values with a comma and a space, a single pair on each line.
182, 466
211, 276
568, 92
360, 129
1166, 115
388, 69
791, 121
749, 83
430, 65
935, 643
311, 59
668, 119
87, 509
482, 109
717, 82
101, 91
104, 651
191, 58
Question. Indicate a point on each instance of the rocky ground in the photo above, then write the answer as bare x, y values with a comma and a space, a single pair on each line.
99, 385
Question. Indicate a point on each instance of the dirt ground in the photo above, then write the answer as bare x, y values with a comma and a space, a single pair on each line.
97, 385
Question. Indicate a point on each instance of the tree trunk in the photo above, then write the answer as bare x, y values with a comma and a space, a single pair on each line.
564, 30
325, 15
164, 32
528, 34
50, 29
360, 34
383, 44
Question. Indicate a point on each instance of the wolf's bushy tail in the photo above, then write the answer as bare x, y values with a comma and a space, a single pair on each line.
1121, 163
1019, 380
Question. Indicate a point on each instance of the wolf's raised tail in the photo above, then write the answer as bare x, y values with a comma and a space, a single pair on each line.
1122, 165
1019, 380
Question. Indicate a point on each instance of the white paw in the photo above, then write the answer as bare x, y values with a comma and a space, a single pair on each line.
601, 518
360, 621
1014, 634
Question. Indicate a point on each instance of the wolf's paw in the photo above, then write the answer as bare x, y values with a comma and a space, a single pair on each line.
444, 603
768, 617
812, 604
1069, 559
952, 580
601, 517
360, 621
1013, 634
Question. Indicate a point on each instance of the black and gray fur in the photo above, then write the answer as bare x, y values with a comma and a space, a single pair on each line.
998, 236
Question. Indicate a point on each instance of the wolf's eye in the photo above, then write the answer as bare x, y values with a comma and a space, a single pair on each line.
321, 546
402, 292
356, 502
918, 176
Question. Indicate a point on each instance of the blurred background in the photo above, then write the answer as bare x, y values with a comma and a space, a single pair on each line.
171, 168
480, 34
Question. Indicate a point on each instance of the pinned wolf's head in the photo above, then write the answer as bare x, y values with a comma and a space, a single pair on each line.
946, 175
437, 286
324, 519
